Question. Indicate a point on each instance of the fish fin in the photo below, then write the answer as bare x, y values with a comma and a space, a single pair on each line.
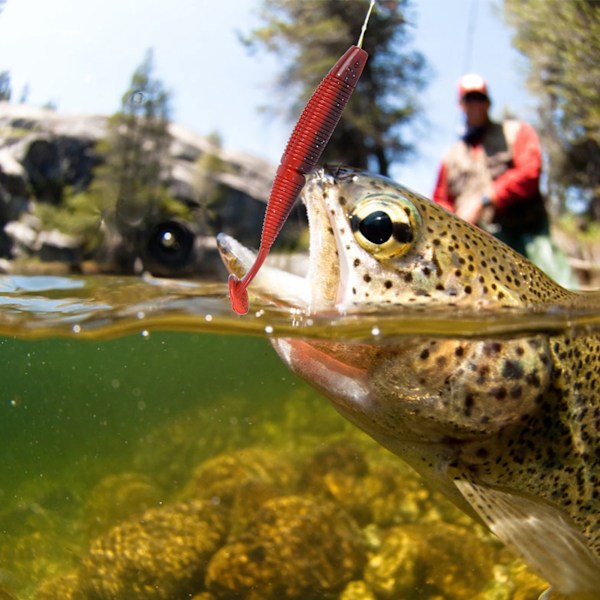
542, 533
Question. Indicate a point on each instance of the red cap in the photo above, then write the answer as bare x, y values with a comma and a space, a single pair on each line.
472, 83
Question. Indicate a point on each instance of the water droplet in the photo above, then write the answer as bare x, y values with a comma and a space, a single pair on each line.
268, 329
76, 328
145, 334
375, 330
208, 318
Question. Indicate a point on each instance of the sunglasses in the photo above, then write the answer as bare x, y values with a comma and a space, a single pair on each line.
475, 97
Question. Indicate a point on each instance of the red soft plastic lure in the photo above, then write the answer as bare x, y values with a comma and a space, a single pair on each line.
304, 148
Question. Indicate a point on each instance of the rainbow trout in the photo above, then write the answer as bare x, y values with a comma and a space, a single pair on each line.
506, 428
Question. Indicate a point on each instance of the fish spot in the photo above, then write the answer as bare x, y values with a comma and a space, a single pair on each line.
492, 348
499, 393
516, 392
533, 379
511, 369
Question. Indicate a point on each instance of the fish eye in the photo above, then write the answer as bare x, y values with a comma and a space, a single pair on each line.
385, 225
377, 227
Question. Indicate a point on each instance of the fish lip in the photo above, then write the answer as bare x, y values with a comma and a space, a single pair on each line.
282, 288
325, 274
325, 281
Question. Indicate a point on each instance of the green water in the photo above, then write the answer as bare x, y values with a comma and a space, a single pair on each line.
121, 396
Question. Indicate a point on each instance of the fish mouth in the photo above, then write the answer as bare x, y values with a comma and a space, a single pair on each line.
317, 287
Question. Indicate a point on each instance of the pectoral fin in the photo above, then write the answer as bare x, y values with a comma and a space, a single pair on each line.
543, 534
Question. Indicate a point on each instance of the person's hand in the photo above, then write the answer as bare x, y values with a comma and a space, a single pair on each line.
470, 208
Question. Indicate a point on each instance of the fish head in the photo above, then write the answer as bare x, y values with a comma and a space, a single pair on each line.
376, 246
374, 243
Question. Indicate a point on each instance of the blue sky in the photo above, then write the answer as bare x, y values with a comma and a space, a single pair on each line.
81, 55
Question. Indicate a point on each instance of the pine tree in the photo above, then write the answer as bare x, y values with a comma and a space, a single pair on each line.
310, 36
561, 40
137, 148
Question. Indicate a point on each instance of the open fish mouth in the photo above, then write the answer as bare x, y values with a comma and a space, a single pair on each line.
321, 284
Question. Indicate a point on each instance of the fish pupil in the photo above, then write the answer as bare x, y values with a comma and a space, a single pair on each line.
377, 227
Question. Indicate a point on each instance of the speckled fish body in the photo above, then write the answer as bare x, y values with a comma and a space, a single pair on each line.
507, 428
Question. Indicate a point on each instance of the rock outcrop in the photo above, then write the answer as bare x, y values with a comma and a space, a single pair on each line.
44, 153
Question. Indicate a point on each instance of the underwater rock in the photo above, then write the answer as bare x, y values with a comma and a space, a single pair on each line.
247, 501
295, 548
514, 581
357, 590
373, 488
159, 556
341, 456
118, 497
430, 559
219, 478
65, 587
339, 472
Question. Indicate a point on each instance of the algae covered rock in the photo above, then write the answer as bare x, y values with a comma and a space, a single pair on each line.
119, 497
159, 556
368, 485
296, 547
220, 478
357, 590
422, 561
65, 587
